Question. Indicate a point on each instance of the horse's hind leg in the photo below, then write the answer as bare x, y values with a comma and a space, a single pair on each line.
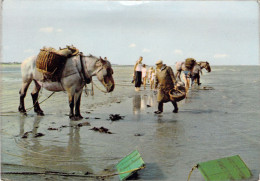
77, 105
71, 103
35, 94
22, 93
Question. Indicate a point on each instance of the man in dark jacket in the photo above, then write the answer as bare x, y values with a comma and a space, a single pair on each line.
165, 79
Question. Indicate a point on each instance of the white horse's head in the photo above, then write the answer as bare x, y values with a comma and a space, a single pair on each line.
205, 65
104, 73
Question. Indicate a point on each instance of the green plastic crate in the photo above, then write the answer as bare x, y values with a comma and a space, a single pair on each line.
224, 169
130, 164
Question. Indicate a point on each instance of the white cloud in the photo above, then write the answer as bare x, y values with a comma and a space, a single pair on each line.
220, 55
47, 29
178, 52
59, 30
28, 51
132, 45
146, 50
132, 3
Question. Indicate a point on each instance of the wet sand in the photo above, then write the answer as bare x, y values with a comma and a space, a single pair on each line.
211, 124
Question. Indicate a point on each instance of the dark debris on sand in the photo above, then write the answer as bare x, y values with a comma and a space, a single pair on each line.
52, 129
101, 130
115, 117
25, 135
66, 126
83, 124
39, 135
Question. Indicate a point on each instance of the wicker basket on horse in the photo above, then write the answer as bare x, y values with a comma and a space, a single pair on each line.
189, 63
48, 61
177, 95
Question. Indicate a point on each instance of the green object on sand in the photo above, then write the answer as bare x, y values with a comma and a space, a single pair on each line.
129, 165
224, 169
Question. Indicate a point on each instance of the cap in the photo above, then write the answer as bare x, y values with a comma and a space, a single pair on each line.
159, 62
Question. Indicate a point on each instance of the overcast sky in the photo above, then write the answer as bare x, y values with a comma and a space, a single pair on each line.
223, 33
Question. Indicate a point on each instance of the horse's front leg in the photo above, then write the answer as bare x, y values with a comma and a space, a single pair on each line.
71, 104
77, 106
35, 94
198, 79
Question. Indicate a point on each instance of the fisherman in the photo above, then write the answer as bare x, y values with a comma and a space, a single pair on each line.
189, 64
166, 80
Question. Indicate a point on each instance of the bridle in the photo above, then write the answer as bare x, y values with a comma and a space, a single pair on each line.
103, 67
206, 66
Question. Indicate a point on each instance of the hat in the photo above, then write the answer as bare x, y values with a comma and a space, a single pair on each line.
159, 62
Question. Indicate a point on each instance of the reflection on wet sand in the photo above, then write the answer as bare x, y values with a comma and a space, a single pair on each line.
141, 102
44, 153
136, 104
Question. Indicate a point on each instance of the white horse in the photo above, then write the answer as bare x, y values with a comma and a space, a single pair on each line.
77, 72
180, 66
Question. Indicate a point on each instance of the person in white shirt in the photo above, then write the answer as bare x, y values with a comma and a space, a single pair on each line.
138, 74
149, 74
144, 75
152, 79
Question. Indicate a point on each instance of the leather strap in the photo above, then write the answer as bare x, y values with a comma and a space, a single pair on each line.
86, 79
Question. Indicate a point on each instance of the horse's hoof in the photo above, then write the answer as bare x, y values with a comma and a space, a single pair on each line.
175, 111
21, 110
158, 112
40, 113
74, 118
78, 117
24, 113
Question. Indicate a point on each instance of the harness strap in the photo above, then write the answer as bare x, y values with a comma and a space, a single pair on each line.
86, 79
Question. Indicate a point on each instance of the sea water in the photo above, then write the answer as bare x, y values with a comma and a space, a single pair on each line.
211, 124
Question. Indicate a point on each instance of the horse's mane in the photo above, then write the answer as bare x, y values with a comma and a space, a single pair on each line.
90, 56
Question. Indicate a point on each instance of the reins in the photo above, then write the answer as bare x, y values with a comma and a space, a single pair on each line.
85, 79
92, 82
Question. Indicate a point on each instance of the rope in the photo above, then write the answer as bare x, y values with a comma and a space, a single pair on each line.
40, 102
193, 168
30, 108
97, 88
71, 175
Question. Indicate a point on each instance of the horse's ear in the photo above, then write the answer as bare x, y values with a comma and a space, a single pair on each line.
102, 60
207, 62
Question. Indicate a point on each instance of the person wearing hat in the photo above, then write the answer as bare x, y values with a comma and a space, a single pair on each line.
138, 74
166, 80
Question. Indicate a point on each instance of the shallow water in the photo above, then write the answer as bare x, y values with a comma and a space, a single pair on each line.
211, 124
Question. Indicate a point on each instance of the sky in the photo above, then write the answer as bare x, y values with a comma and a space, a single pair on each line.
220, 32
